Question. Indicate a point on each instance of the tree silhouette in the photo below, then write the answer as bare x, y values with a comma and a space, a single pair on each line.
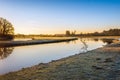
68, 33
6, 29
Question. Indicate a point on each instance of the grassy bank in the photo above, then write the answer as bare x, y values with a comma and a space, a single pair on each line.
36, 41
99, 64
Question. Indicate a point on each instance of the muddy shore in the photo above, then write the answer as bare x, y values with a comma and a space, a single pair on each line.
99, 64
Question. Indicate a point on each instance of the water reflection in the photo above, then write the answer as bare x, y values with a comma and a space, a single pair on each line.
5, 52
104, 40
108, 41
26, 56
85, 46
95, 39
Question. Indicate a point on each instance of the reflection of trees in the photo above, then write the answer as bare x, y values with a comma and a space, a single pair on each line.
73, 41
85, 46
5, 52
108, 41
95, 39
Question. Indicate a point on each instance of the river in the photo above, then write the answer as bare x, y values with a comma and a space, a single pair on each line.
16, 58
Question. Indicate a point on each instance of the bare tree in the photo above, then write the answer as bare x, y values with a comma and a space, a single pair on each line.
67, 33
6, 29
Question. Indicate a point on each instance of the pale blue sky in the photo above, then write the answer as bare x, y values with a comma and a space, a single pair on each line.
56, 16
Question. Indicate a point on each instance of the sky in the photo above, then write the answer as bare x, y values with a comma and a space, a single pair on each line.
57, 16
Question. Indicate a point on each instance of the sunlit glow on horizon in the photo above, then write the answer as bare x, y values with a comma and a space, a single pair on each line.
57, 16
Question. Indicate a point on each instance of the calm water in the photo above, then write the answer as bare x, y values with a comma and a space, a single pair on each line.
15, 58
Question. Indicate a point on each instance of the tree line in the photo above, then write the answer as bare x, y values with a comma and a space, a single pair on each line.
110, 32
7, 32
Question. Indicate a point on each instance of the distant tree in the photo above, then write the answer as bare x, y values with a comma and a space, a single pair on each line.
73, 33
96, 34
6, 29
67, 33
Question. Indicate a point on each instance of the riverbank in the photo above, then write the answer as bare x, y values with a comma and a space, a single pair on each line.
99, 64
36, 41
